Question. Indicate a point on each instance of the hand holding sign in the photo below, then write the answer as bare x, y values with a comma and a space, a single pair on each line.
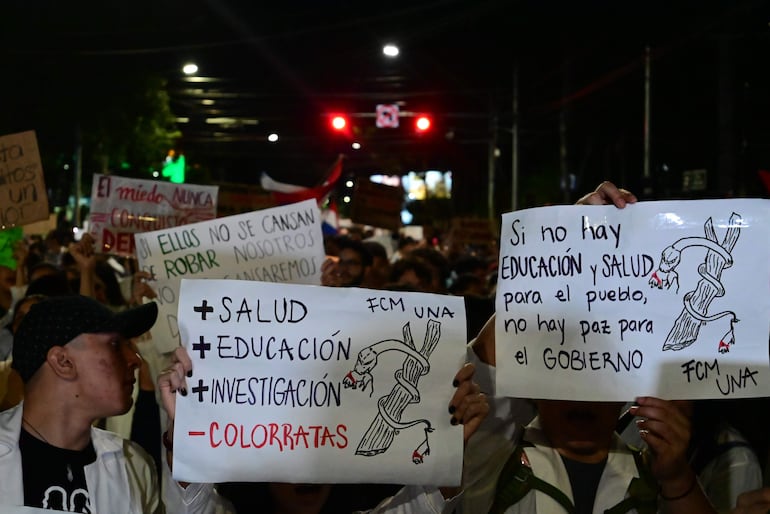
608, 193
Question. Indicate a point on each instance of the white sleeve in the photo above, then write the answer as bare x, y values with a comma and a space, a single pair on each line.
193, 499
417, 499
505, 414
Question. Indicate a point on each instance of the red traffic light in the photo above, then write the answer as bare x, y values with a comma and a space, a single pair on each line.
339, 122
422, 123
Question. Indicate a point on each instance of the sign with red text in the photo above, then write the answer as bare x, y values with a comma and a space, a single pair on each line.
311, 384
23, 197
283, 244
121, 207
669, 299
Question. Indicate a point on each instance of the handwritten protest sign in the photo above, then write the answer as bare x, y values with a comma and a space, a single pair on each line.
660, 298
23, 198
121, 206
313, 384
282, 244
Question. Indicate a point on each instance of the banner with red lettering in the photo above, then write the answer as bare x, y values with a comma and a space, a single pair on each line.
121, 207
310, 384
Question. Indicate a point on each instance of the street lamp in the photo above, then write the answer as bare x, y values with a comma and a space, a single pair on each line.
390, 50
190, 68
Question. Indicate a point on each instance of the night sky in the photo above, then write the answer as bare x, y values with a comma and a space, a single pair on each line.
580, 65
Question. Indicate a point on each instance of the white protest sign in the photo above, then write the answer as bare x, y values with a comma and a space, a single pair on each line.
311, 384
282, 244
661, 298
121, 207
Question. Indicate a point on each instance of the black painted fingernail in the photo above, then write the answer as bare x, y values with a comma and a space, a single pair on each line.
451, 409
455, 382
189, 373
183, 391
453, 420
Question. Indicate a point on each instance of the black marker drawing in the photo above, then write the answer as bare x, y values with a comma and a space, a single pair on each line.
387, 424
695, 314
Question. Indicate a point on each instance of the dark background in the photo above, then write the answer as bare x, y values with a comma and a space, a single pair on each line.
72, 71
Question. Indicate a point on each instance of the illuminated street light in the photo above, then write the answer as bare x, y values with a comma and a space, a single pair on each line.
190, 68
346, 199
349, 183
272, 137
356, 145
390, 50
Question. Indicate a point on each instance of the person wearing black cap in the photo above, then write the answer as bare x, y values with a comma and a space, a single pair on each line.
78, 365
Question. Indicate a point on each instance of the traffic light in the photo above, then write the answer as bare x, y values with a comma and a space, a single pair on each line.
174, 167
339, 122
422, 123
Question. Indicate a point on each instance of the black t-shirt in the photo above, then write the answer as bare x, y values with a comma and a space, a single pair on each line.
584, 480
54, 477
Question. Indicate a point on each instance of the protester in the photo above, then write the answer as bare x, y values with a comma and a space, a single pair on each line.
376, 275
78, 363
349, 267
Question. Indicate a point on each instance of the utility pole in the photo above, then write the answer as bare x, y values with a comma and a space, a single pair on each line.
647, 188
515, 142
491, 214
78, 173
563, 165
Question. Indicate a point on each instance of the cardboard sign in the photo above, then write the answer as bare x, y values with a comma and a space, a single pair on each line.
668, 299
311, 384
377, 205
121, 207
472, 231
23, 198
283, 244
240, 198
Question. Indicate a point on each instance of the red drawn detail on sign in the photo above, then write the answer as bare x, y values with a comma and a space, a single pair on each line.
196, 433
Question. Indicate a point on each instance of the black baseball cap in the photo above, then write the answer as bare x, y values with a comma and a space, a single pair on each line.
58, 320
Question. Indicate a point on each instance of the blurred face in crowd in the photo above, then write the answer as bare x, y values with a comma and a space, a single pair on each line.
580, 431
351, 267
298, 498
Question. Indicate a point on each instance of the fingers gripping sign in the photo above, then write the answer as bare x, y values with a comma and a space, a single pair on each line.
171, 381
608, 194
469, 406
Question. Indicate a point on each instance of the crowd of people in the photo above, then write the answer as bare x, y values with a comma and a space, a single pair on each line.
87, 405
